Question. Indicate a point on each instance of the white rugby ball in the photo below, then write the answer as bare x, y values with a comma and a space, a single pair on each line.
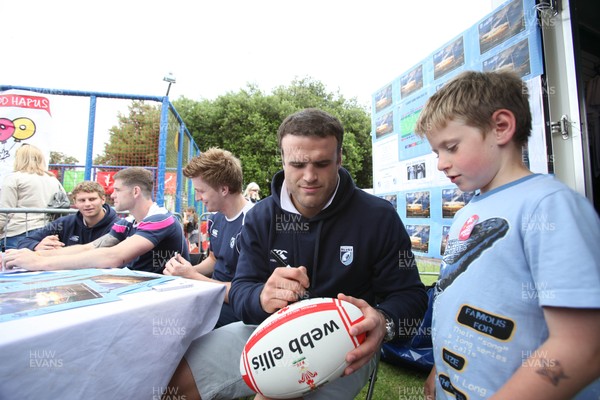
300, 347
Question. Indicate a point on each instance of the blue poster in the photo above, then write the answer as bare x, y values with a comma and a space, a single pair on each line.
508, 37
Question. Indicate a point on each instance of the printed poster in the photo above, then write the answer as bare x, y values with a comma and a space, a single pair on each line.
26, 294
25, 118
508, 37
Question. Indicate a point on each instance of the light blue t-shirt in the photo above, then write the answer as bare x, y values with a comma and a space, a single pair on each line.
511, 251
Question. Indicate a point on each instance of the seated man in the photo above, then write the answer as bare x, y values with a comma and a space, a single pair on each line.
315, 220
144, 241
93, 220
217, 178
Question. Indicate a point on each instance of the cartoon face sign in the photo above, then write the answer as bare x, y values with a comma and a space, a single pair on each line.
7, 128
24, 129
19, 129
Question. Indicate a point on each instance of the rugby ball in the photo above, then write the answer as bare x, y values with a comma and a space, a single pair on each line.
300, 347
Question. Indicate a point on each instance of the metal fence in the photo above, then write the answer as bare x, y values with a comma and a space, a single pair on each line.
48, 211
176, 146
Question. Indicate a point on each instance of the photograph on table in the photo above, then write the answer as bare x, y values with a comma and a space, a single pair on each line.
43, 299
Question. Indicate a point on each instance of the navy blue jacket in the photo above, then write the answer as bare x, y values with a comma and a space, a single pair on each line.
71, 230
357, 246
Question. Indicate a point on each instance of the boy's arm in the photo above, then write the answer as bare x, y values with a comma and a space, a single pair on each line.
99, 257
429, 385
565, 363
107, 240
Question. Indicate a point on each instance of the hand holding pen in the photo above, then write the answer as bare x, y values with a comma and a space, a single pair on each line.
285, 285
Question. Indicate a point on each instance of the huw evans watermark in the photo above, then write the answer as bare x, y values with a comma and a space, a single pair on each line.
167, 327
43, 358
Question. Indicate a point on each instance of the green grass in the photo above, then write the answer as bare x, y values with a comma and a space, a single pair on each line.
402, 382
396, 382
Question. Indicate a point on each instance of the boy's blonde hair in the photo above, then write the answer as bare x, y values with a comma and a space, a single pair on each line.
472, 97
217, 167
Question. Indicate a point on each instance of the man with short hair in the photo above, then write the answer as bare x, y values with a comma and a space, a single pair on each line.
93, 220
144, 241
217, 178
315, 220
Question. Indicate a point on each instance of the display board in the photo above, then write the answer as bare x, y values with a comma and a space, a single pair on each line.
404, 167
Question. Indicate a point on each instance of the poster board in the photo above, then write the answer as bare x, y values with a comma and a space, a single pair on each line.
404, 167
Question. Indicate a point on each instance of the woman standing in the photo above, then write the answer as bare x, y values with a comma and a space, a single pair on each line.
29, 186
252, 192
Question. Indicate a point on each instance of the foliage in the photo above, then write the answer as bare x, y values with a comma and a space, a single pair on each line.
135, 141
246, 124
57, 157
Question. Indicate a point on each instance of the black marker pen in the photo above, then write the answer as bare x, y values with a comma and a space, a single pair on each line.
280, 260
282, 263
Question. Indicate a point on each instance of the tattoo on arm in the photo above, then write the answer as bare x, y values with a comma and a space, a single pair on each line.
105, 241
551, 371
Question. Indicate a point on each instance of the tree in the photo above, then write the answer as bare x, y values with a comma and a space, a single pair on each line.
57, 157
246, 123
135, 141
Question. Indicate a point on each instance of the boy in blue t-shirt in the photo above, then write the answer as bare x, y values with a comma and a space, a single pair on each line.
516, 313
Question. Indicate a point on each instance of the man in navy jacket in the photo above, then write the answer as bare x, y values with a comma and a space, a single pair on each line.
93, 220
339, 242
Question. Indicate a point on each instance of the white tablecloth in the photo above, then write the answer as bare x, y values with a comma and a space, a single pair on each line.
126, 349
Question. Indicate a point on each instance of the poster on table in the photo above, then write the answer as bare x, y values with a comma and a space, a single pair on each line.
36, 293
407, 176
25, 118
